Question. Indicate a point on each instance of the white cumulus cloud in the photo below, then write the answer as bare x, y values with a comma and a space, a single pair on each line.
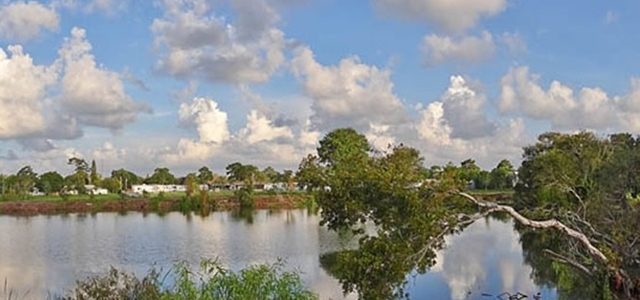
350, 93
23, 87
93, 94
438, 49
566, 108
259, 129
450, 15
209, 121
25, 20
456, 127
195, 42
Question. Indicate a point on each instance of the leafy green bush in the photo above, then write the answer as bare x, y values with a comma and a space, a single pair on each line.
189, 204
244, 196
211, 282
154, 202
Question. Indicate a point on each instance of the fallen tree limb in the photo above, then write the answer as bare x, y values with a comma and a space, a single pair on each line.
552, 223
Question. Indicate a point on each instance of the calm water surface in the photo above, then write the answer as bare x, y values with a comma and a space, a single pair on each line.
46, 254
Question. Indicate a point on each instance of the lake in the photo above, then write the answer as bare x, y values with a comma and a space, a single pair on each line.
42, 255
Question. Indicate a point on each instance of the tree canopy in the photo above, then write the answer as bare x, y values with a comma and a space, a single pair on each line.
50, 182
204, 175
161, 176
239, 172
581, 188
126, 178
358, 188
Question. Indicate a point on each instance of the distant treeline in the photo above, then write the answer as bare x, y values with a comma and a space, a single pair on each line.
26, 181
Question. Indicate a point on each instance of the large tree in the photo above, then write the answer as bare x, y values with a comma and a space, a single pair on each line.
23, 181
50, 182
239, 172
356, 187
82, 172
191, 184
309, 174
270, 174
593, 186
567, 185
113, 185
94, 176
503, 175
126, 178
161, 176
204, 175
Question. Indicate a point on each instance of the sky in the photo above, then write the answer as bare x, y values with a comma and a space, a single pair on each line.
190, 83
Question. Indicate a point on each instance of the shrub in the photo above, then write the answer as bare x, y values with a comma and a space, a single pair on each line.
244, 196
211, 282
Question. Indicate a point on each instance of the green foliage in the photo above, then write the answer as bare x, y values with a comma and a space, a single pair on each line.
482, 180
79, 164
50, 182
94, 177
212, 281
204, 175
76, 181
189, 204
154, 202
502, 176
21, 183
270, 174
126, 178
244, 197
590, 184
191, 184
309, 173
113, 185
342, 145
206, 203
469, 170
161, 176
309, 202
239, 172
356, 187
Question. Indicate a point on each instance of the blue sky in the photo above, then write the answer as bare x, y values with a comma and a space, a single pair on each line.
186, 83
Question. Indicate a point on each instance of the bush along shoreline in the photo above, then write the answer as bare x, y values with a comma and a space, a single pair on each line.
184, 282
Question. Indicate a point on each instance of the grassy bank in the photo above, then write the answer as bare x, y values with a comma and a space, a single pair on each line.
163, 202
497, 196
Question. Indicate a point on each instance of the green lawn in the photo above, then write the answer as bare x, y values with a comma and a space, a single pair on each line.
53, 198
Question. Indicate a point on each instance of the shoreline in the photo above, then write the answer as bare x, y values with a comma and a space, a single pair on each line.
145, 205
35, 207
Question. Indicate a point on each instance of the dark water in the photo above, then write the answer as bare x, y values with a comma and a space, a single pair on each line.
46, 254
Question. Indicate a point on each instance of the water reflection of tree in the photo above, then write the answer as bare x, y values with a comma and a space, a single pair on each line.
243, 214
551, 273
348, 267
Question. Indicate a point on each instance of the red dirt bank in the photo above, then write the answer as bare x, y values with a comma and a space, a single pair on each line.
32, 207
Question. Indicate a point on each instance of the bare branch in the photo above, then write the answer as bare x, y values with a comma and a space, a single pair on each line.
552, 223
569, 261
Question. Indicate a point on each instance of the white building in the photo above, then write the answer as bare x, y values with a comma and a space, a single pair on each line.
98, 191
69, 192
157, 188
36, 192
94, 190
